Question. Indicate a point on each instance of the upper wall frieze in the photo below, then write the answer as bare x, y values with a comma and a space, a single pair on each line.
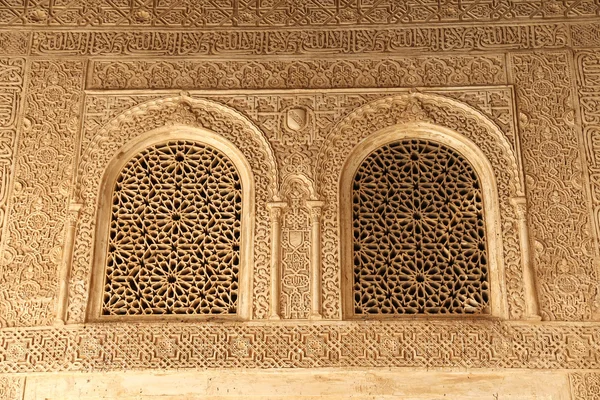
294, 42
252, 13
298, 42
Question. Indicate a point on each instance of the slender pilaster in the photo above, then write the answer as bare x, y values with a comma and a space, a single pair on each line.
275, 210
315, 208
532, 310
66, 262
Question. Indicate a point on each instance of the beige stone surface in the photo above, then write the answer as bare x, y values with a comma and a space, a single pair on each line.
282, 384
295, 94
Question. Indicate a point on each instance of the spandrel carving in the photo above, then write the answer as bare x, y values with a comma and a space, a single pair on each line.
418, 232
174, 233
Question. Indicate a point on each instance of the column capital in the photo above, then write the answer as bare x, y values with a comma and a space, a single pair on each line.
520, 205
276, 208
315, 203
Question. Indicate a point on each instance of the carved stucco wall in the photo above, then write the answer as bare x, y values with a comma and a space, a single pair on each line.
530, 68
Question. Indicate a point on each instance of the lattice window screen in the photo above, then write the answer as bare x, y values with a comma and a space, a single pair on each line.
174, 240
419, 242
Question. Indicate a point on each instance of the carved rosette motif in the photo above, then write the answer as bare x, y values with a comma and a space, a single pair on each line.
99, 146
558, 214
441, 111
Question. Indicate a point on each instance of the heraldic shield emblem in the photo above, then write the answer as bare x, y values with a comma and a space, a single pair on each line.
296, 118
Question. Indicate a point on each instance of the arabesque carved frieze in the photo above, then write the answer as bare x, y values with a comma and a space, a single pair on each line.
431, 344
386, 73
250, 13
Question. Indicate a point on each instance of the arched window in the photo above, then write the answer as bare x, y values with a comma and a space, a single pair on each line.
174, 240
418, 232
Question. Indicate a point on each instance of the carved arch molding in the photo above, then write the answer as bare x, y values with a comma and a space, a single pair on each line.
174, 111
438, 111
355, 127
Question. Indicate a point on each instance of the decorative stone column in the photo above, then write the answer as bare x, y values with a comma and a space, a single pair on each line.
275, 211
315, 208
532, 311
66, 262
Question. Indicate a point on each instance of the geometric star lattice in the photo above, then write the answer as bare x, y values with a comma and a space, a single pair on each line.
174, 240
418, 232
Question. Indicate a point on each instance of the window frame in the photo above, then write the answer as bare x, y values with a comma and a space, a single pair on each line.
103, 219
483, 169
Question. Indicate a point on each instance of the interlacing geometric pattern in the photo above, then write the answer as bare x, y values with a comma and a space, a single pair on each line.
174, 240
419, 234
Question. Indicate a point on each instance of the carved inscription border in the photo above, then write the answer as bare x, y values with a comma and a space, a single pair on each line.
238, 43
295, 42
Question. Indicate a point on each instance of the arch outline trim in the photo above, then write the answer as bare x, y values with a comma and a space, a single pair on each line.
474, 156
101, 144
442, 112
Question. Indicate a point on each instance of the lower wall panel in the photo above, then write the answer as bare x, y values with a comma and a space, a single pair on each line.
302, 384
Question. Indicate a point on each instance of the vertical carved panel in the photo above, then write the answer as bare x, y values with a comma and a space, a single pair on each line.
11, 388
39, 203
588, 68
585, 386
558, 216
295, 254
12, 72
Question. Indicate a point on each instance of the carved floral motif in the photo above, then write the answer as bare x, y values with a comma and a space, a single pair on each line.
11, 388
390, 72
